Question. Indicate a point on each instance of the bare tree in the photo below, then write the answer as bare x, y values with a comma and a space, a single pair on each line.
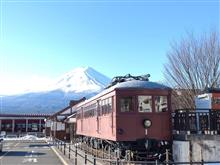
193, 66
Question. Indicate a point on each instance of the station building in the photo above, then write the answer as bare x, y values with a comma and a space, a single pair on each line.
62, 124
22, 123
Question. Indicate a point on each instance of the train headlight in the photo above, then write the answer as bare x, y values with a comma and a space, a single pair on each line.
147, 123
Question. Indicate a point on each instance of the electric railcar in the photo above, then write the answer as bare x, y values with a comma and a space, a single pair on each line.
132, 114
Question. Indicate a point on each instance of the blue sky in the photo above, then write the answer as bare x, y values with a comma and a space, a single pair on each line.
45, 39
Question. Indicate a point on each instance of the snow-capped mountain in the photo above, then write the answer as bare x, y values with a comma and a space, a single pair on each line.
78, 83
81, 80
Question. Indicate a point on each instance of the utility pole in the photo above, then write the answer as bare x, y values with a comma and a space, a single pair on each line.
167, 157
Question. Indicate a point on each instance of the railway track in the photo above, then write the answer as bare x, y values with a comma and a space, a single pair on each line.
99, 153
108, 154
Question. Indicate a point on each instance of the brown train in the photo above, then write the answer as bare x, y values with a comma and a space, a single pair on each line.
131, 114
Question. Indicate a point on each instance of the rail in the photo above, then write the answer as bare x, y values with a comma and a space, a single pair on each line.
76, 151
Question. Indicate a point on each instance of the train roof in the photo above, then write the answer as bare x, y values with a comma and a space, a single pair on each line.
139, 84
132, 84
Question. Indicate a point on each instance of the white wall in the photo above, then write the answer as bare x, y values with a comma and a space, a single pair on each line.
203, 101
206, 150
59, 126
181, 151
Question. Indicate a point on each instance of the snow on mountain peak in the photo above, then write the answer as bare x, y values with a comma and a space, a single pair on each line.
80, 80
78, 83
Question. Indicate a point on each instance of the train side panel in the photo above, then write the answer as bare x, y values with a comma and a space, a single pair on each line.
101, 125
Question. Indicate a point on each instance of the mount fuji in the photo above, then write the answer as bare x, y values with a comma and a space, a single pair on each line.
78, 83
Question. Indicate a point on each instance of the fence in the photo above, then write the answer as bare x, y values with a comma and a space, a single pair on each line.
79, 155
205, 121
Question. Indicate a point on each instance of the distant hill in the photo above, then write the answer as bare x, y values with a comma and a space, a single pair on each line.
78, 83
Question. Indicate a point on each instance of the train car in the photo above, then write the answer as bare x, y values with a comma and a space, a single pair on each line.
131, 114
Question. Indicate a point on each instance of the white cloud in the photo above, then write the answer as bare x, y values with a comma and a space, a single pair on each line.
15, 85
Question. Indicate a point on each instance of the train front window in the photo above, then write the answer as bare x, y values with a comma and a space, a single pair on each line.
145, 103
126, 104
160, 103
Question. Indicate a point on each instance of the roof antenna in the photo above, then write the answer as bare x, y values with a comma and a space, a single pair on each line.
127, 77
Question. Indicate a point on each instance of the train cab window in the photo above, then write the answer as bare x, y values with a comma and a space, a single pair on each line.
145, 103
160, 103
216, 100
126, 104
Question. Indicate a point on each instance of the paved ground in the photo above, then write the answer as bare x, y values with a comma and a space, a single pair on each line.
79, 160
34, 153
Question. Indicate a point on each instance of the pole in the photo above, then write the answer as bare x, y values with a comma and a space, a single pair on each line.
13, 125
94, 160
117, 161
26, 126
167, 157
69, 150
202, 155
103, 155
85, 158
76, 156
64, 146
109, 150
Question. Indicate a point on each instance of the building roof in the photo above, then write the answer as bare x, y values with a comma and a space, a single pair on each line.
24, 115
62, 114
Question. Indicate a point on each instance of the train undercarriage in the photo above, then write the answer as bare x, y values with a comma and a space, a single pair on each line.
139, 150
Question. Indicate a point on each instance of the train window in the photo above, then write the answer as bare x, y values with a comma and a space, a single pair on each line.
160, 103
90, 110
216, 100
95, 109
78, 115
106, 106
145, 103
110, 105
103, 106
99, 107
126, 104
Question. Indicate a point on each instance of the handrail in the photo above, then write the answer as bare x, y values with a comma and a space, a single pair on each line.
72, 150
196, 122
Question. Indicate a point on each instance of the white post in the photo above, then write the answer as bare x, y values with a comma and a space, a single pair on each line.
0, 125
13, 125
26, 125
55, 129
39, 125
167, 157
